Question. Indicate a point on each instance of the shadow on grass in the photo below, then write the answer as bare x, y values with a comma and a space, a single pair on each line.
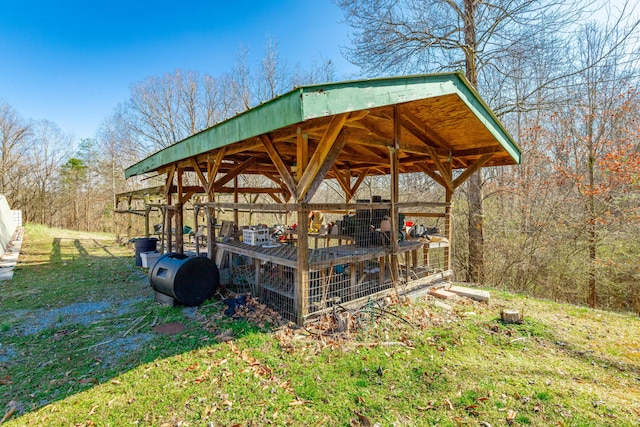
92, 321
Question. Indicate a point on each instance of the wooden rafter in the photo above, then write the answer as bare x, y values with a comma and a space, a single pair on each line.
302, 153
320, 154
213, 166
372, 126
471, 170
441, 168
233, 173
196, 168
329, 160
437, 178
169, 181
414, 125
343, 181
283, 170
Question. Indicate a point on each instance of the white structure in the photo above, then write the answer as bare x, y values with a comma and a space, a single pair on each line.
7, 224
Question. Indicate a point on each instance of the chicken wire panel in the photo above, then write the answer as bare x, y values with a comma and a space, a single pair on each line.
350, 259
277, 283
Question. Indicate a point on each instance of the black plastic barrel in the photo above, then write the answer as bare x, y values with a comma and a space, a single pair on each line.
189, 280
144, 244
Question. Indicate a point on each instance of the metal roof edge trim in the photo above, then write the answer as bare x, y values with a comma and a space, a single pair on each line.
485, 114
339, 97
274, 114
321, 100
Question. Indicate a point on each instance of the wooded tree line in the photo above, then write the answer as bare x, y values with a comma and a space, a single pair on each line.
565, 224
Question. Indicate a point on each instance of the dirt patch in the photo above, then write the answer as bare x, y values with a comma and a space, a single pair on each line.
173, 328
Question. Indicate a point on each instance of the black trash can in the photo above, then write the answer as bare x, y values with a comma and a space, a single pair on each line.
188, 280
144, 244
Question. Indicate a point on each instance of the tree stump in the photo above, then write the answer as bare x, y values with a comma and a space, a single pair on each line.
511, 316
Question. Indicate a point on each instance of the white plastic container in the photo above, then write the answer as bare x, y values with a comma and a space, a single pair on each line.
255, 237
149, 258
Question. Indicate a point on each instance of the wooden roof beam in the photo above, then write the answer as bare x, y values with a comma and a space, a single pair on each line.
283, 170
415, 126
232, 174
471, 169
437, 178
328, 161
213, 166
320, 154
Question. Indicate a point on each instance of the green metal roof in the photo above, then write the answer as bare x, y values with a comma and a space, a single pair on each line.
323, 100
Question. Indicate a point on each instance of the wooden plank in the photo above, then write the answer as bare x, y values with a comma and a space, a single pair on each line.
342, 181
442, 293
169, 182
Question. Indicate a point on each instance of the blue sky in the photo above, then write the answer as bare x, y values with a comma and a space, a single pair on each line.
72, 62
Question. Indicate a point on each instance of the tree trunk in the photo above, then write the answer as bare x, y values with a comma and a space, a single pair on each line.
475, 267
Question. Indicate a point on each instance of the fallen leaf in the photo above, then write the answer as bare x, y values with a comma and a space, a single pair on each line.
364, 421
6, 380
297, 402
192, 367
448, 404
511, 415
88, 381
429, 407
8, 414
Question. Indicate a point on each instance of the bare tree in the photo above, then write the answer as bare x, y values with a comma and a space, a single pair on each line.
49, 147
14, 145
272, 78
164, 110
402, 36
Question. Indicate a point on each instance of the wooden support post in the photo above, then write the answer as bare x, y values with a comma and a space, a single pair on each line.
147, 209
196, 210
395, 189
168, 228
211, 233
301, 290
258, 284
447, 221
353, 282
236, 217
179, 226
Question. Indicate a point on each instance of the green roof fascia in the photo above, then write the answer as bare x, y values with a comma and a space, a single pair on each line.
314, 101
483, 112
279, 112
334, 98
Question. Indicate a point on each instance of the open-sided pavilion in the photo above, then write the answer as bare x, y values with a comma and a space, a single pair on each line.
433, 124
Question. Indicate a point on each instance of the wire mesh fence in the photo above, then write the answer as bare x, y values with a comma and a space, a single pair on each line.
351, 255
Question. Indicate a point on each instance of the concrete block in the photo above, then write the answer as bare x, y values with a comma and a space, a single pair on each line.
475, 294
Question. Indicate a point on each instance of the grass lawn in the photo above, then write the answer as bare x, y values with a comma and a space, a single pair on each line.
79, 347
